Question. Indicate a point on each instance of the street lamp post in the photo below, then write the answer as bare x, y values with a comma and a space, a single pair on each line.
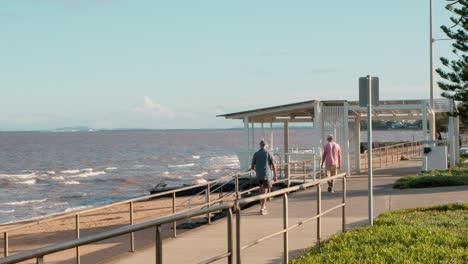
431, 70
431, 55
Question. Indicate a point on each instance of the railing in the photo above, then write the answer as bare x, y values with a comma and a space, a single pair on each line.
130, 203
286, 227
39, 254
297, 170
388, 155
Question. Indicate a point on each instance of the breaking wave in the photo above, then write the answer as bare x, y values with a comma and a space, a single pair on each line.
182, 165
18, 176
28, 182
70, 171
71, 182
88, 174
25, 202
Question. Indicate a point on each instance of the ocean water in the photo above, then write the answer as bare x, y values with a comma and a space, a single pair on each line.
45, 172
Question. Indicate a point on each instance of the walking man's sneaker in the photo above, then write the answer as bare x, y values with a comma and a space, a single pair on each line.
330, 186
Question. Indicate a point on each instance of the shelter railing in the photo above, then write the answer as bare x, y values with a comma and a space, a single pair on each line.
40, 253
388, 155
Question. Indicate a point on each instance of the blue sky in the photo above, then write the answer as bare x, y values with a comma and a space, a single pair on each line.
177, 64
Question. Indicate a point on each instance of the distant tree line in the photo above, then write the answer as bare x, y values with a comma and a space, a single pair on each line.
393, 125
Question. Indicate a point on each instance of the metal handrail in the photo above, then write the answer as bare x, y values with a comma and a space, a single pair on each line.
381, 154
59, 216
286, 226
41, 252
48, 218
303, 186
396, 145
233, 178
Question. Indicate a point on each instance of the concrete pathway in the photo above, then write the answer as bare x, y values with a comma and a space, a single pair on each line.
207, 241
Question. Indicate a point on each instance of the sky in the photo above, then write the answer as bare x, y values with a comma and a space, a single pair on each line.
110, 64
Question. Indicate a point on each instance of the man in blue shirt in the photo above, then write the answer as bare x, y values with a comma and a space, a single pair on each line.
263, 164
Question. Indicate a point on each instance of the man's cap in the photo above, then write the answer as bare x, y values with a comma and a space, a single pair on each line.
263, 142
330, 137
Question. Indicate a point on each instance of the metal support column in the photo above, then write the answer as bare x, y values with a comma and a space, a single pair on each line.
357, 131
285, 226
174, 224
286, 149
229, 237
319, 211
132, 234
345, 161
246, 157
5, 244
159, 253
238, 236
343, 224
77, 233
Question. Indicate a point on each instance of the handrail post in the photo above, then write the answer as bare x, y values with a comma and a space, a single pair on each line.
344, 205
386, 156
5, 243
40, 260
314, 175
77, 225
285, 226
304, 170
380, 154
208, 200
319, 211
237, 187
159, 254
229, 237
132, 234
174, 223
238, 235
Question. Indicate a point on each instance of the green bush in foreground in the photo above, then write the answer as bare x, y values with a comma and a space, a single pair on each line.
436, 178
422, 235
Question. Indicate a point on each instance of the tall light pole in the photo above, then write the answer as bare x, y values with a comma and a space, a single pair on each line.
431, 74
431, 56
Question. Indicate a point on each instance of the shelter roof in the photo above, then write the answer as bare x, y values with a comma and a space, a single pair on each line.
304, 111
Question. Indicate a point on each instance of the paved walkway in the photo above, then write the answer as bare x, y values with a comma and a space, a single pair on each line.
207, 241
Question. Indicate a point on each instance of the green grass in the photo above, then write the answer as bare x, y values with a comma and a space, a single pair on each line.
455, 176
421, 235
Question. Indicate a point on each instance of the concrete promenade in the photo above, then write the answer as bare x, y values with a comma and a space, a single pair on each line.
207, 241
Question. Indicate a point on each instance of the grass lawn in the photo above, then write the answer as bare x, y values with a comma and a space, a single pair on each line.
436, 178
421, 235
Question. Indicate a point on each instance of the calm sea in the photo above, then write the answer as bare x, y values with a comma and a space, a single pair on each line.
46, 172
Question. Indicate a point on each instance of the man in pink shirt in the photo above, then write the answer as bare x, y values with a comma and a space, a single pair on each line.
332, 158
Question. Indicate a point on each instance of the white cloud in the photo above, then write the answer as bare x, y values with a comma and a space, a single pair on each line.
154, 109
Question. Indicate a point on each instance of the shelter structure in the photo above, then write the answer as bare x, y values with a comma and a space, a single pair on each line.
342, 119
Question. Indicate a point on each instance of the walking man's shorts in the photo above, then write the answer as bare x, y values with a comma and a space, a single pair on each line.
331, 170
266, 183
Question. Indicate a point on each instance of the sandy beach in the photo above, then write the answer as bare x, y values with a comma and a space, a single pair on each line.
56, 231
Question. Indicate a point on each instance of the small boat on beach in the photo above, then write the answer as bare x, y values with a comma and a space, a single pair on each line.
215, 187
